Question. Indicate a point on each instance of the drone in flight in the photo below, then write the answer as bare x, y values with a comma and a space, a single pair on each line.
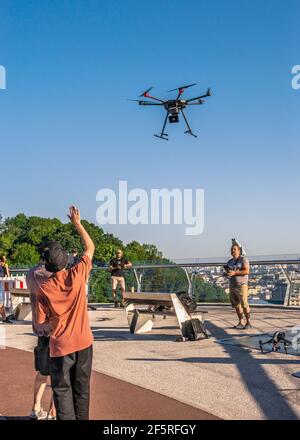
173, 107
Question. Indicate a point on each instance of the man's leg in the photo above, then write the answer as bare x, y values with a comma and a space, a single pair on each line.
122, 287
239, 312
80, 380
245, 304
39, 387
52, 410
114, 284
2, 311
114, 293
61, 385
236, 303
41, 363
247, 314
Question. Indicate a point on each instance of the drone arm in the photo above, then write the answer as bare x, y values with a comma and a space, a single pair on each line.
197, 97
153, 97
149, 103
196, 103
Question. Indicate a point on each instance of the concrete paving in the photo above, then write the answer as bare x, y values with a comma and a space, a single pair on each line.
227, 381
111, 399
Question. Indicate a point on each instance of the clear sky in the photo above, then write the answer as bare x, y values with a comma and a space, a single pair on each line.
67, 128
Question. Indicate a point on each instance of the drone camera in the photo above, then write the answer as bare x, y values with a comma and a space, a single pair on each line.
173, 118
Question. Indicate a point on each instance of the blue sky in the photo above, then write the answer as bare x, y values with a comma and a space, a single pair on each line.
67, 128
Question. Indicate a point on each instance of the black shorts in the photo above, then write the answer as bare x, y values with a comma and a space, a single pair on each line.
42, 356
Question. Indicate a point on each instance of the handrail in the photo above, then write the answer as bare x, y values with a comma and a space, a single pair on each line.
198, 264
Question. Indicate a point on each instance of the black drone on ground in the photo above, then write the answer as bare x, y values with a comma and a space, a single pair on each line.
277, 340
173, 107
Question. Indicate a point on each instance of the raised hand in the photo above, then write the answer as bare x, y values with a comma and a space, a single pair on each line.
74, 215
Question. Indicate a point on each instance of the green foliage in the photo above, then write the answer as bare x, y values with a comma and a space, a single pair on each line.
142, 252
24, 254
100, 289
205, 292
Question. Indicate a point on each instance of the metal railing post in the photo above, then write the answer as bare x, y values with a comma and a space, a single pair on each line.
138, 280
287, 296
190, 284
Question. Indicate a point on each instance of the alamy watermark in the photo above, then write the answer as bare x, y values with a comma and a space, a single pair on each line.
157, 206
296, 78
2, 78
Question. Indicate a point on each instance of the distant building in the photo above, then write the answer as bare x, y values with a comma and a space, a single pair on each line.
279, 292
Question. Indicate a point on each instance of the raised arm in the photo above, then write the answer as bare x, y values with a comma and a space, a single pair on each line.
89, 247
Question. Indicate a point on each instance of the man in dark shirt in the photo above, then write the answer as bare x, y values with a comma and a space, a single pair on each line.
116, 267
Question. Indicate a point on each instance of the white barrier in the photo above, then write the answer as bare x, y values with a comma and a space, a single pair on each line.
13, 282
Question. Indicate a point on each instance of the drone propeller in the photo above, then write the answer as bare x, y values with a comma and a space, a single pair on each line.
146, 91
182, 87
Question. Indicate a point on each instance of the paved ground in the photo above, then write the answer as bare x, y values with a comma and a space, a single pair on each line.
110, 398
223, 380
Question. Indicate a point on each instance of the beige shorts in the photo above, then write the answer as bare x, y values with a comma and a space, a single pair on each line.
117, 281
239, 295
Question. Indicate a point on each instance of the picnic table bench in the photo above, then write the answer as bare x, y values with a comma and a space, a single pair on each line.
141, 320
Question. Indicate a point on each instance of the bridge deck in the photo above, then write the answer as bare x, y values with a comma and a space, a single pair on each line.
193, 379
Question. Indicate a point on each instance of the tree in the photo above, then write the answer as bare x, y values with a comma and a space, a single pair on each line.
142, 252
24, 254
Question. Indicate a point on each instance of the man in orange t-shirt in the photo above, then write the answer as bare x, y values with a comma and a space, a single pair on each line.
62, 303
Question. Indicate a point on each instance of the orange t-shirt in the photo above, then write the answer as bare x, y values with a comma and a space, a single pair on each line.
62, 302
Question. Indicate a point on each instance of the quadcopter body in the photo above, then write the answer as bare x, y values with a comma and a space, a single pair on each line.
277, 340
173, 107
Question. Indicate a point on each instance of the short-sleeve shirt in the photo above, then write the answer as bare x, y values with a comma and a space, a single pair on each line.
34, 278
62, 301
234, 264
115, 262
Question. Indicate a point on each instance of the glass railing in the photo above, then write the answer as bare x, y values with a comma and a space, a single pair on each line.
274, 279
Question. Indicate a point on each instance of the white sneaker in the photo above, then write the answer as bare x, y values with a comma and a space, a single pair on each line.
38, 415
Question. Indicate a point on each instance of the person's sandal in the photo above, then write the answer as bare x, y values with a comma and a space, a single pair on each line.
7, 321
51, 417
239, 327
248, 326
181, 339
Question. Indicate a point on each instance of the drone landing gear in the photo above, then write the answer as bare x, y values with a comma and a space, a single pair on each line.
163, 135
277, 339
191, 133
189, 130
